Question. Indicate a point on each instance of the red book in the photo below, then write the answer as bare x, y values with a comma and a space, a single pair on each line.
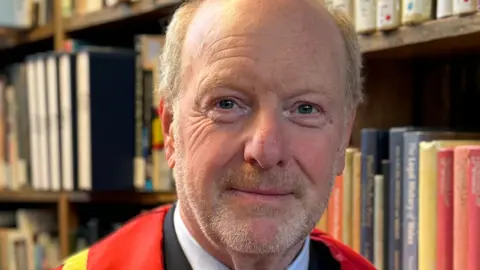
445, 209
473, 206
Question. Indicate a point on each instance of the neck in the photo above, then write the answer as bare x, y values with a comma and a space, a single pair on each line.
236, 260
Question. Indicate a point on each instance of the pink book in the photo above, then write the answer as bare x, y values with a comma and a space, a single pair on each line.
473, 208
460, 215
445, 209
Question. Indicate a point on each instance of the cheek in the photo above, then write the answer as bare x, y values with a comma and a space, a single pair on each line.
207, 150
316, 152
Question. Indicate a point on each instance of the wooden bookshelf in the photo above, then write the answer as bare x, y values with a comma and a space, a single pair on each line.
120, 13
127, 197
28, 196
110, 16
433, 37
440, 36
10, 39
141, 198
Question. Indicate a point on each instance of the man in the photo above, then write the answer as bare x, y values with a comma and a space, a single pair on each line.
258, 100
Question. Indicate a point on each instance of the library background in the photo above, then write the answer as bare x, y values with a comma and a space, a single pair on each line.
73, 170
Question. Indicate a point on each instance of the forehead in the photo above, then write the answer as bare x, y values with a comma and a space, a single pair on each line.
289, 37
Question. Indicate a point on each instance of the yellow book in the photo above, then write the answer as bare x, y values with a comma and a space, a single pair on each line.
322, 224
427, 201
357, 201
348, 197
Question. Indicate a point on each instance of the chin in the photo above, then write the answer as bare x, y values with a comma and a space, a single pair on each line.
259, 229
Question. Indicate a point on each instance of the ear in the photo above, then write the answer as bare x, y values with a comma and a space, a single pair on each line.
347, 133
166, 117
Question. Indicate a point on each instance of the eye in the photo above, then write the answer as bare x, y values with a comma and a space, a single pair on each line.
306, 109
225, 104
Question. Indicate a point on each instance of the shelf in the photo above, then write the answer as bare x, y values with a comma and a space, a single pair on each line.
120, 13
28, 196
121, 197
11, 38
108, 16
446, 35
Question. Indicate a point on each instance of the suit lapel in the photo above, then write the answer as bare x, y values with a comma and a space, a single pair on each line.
173, 255
321, 257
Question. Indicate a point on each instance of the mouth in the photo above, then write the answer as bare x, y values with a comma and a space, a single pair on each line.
263, 192
272, 197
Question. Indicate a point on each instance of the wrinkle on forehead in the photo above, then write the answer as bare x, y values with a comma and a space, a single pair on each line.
293, 43
215, 19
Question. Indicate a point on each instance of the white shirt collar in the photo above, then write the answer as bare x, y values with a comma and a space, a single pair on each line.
199, 258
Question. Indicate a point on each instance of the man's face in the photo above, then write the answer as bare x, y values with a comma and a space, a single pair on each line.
260, 128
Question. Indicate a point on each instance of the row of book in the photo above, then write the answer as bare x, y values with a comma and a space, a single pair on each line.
409, 198
385, 15
83, 119
27, 14
28, 239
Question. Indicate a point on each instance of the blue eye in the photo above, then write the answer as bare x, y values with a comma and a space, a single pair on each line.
306, 109
226, 104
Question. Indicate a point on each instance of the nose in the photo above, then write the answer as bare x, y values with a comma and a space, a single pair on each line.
266, 146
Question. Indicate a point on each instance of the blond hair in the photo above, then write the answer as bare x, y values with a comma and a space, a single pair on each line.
171, 58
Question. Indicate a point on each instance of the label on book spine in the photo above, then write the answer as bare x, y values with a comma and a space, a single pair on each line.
444, 8
365, 16
464, 6
388, 14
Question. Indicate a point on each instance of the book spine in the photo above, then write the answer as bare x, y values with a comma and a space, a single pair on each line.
394, 196
357, 202
365, 16
460, 215
369, 153
335, 209
139, 162
444, 236
385, 171
379, 243
461, 7
427, 212
444, 8
347, 197
388, 14
410, 203
473, 189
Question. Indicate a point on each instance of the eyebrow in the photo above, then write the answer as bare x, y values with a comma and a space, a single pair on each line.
220, 79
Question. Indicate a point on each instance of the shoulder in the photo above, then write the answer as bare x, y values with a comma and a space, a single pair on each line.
348, 258
138, 242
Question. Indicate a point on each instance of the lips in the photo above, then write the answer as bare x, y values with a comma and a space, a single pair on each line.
264, 192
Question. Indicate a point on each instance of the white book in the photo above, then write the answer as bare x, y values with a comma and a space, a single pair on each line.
461, 7
365, 16
444, 8
416, 11
83, 122
16, 14
66, 122
41, 100
32, 125
388, 14
53, 128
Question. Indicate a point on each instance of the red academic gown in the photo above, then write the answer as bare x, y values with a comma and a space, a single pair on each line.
138, 245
